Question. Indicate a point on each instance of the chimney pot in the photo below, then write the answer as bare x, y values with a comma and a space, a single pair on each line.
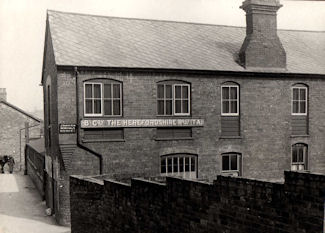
3, 94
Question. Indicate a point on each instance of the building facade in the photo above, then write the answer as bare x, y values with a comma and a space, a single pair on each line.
169, 98
13, 121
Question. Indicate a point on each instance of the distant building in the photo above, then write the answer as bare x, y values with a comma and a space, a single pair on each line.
12, 131
184, 99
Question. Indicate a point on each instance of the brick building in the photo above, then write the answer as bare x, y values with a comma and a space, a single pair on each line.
12, 131
170, 98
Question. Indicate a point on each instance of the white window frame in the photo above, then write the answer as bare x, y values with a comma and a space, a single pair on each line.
178, 173
181, 99
238, 100
239, 167
306, 100
174, 99
305, 158
112, 99
101, 99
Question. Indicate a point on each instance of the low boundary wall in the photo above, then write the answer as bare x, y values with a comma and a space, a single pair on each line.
228, 204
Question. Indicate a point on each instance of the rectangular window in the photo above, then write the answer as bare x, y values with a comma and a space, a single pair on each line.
299, 157
299, 101
93, 99
230, 100
179, 165
103, 99
103, 134
112, 99
173, 99
231, 164
177, 133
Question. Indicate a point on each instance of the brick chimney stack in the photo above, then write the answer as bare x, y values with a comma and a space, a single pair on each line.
3, 94
262, 47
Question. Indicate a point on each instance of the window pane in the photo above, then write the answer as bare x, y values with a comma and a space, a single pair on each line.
107, 91
225, 106
116, 91
178, 90
97, 106
233, 92
233, 106
163, 166
295, 106
301, 155
294, 154
97, 91
169, 107
88, 90
302, 94
175, 164
234, 162
185, 92
178, 106
302, 107
116, 107
160, 93
169, 164
295, 94
89, 106
187, 164
192, 164
107, 107
160, 107
169, 91
225, 163
185, 106
225, 93
181, 164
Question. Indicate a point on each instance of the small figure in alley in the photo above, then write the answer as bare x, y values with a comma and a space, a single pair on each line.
7, 159
3, 161
11, 164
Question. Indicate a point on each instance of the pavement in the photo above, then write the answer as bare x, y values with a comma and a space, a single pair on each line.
22, 209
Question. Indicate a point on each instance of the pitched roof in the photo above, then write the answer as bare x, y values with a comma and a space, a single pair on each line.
97, 41
20, 110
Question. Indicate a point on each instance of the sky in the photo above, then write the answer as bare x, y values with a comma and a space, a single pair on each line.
22, 30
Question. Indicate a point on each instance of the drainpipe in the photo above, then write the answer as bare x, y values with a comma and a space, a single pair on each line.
99, 156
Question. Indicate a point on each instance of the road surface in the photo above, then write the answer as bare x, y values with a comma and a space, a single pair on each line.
22, 209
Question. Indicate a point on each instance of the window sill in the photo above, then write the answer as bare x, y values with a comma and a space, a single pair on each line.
170, 139
297, 136
103, 140
230, 137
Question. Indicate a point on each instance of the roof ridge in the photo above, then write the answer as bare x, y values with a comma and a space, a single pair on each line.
143, 19
170, 21
21, 111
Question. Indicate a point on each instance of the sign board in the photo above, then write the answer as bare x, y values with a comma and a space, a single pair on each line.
67, 128
137, 123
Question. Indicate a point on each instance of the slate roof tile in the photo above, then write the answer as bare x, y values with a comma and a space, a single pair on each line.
97, 41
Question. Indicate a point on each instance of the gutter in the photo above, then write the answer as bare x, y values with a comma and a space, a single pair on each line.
99, 156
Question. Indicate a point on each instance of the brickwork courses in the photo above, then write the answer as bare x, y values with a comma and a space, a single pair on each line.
226, 205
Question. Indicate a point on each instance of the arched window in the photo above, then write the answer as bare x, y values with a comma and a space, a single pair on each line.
182, 165
231, 164
173, 98
299, 160
299, 99
230, 99
103, 98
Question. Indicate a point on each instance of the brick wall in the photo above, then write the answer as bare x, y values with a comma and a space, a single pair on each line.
226, 205
265, 119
